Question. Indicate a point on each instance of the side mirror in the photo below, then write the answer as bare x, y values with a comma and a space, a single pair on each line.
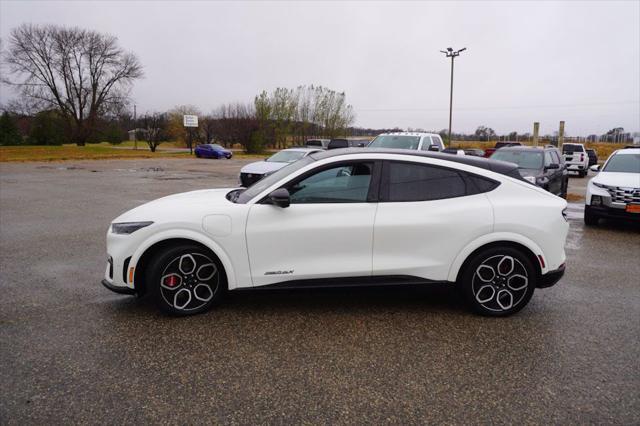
434, 148
595, 168
552, 166
280, 197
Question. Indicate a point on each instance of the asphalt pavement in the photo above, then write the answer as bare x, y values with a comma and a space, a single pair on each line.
73, 352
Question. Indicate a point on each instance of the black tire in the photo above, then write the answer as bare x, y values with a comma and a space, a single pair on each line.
590, 218
582, 174
187, 290
565, 186
197, 155
518, 284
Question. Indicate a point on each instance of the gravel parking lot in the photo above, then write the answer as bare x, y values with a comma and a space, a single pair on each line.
71, 351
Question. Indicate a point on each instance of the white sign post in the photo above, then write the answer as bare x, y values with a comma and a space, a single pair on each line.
190, 120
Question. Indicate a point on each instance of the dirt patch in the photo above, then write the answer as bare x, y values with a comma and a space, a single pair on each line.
572, 198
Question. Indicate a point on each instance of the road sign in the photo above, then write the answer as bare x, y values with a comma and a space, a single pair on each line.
190, 120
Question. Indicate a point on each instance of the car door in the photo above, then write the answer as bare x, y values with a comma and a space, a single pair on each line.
327, 230
426, 215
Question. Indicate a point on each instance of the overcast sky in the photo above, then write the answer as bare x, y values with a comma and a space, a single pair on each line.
525, 62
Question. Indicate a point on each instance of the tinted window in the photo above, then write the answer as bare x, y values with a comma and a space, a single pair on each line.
524, 159
418, 182
246, 195
427, 141
571, 148
395, 141
340, 184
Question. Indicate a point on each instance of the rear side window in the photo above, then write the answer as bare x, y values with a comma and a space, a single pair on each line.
571, 148
403, 182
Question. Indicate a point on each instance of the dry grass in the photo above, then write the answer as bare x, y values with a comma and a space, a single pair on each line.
72, 152
604, 150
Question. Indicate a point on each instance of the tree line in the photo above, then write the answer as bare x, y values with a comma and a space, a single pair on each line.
74, 86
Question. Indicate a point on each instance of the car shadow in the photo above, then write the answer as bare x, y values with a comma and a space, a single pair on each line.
409, 298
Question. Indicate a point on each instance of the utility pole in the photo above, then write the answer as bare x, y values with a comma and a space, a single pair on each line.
450, 53
135, 128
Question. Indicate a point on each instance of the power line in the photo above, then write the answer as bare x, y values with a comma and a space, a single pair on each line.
503, 107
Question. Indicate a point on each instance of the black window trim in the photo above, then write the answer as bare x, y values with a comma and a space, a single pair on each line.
374, 186
384, 187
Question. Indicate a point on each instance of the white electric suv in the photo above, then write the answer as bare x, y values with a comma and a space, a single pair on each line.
347, 217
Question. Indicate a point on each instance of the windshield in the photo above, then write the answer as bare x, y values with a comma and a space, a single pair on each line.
266, 182
570, 148
524, 159
623, 163
395, 141
286, 156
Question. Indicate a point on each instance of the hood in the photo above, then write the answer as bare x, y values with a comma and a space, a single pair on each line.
177, 204
262, 167
627, 180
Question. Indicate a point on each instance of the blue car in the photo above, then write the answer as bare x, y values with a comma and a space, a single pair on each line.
212, 151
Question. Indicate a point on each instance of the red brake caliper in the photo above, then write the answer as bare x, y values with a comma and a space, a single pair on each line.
170, 281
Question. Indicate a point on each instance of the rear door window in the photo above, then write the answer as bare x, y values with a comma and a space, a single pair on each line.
403, 182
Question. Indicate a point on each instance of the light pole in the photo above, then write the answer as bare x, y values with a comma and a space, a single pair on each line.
450, 53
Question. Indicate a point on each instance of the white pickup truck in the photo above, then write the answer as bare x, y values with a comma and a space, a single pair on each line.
576, 157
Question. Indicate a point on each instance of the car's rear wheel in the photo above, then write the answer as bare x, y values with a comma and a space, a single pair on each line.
590, 219
498, 281
185, 280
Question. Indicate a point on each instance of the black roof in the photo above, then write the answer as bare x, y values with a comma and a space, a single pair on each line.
502, 167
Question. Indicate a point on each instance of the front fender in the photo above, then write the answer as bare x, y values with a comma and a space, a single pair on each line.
488, 239
188, 234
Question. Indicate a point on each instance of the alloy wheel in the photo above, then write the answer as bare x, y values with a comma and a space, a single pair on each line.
500, 283
189, 281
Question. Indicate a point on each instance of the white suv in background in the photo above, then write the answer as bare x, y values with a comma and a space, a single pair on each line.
576, 157
408, 140
615, 192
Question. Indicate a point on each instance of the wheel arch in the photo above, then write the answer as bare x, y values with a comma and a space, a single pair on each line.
149, 248
526, 246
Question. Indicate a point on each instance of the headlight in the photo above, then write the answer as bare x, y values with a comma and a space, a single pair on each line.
599, 185
531, 179
128, 227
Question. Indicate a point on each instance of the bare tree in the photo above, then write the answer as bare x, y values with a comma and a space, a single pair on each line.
82, 73
155, 129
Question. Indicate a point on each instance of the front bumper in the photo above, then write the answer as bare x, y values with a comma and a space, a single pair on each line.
551, 278
117, 289
612, 213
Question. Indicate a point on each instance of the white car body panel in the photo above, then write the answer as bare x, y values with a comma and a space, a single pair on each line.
310, 240
426, 239
415, 238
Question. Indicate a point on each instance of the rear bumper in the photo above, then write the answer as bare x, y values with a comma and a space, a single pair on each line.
551, 278
117, 289
576, 167
612, 213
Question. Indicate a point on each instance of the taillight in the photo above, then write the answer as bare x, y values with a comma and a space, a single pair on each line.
581, 157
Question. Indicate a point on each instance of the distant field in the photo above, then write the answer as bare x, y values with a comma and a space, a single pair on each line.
73, 152
604, 150
125, 150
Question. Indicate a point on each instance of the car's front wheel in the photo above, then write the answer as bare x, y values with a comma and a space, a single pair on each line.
185, 279
498, 281
590, 218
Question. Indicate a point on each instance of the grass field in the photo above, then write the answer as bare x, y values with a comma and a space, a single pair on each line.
604, 150
73, 152
125, 150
